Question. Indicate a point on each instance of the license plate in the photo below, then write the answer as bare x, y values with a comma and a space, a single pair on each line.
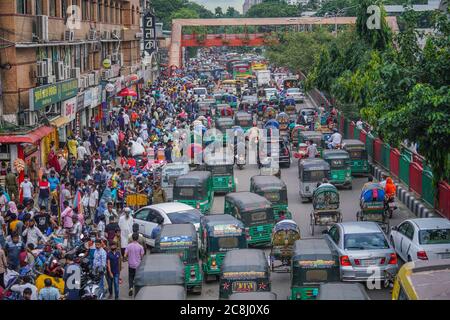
244, 286
369, 262
445, 255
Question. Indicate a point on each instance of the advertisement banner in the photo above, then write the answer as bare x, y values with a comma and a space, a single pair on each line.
69, 108
43, 96
87, 97
80, 101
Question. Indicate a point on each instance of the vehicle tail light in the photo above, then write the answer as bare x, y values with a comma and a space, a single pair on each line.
422, 255
193, 275
393, 258
213, 263
286, 152
198, 206
357, 262
345, 261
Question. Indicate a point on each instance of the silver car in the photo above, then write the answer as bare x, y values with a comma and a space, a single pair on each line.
363, 249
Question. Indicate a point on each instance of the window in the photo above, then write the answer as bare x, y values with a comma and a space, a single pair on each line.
365, 241
22, 7
84, 10
118, 19
133, 12
38, 7
53, 8
434, 236
112, 15
407, 230
334, 234
92, 11
105, 13
64, 8
120, 14
78, 57
137, 15
100, 11
154, 216
142, 214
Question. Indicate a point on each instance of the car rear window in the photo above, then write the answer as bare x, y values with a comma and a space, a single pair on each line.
365, 241
435, 236
192, 216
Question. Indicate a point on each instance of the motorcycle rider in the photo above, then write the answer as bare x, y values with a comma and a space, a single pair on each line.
335, 139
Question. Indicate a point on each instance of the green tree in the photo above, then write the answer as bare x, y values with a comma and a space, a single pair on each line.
377, 38
218, 12
333, 6
232, 13
272, 8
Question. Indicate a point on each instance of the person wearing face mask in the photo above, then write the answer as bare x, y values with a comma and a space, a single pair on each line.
27, 189
113, 267
33, 234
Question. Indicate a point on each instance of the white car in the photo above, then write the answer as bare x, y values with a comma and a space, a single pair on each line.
200, 93
422, 239
169, 212
296, 94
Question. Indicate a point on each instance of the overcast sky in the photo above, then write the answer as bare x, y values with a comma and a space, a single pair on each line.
212, 4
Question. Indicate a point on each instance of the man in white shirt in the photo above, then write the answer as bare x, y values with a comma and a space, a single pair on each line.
93, 201
87, 146
126, 120
81, 151
27, 189
26, 284
335, 139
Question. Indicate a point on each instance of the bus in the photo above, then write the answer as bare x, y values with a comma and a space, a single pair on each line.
242, 70
290, 82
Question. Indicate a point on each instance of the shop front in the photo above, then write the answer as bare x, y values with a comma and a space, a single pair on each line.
80, 111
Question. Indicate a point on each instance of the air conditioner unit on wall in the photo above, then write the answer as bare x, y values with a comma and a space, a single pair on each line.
49, 63
51, 79
92, 36
42, 69
106, 35
91, 79
42, 28
115, 34
67, 72
69, 35
75, 73
96, 77
59, 71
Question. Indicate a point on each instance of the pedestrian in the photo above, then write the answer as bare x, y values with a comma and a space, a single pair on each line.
11, 184
33, 234
141, 239
66, 216
13, 249
26, 284
75, 231
114, 266
27, 189
99, 263
312, 149
134, 253
3, 267
126, 228
27, 294
49, 292
159, 195
72, 279
44, 192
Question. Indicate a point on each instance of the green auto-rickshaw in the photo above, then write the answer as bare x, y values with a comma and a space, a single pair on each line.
182, 239
359, 162
224, 124
255, 212
243, 120
341, 173
310, 172
313, 263
195, 189
244, 270
315, 136
166, 292
273, 189
158, 269
222, 176
220, 234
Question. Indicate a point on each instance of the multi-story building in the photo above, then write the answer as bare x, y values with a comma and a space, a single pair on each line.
56, 59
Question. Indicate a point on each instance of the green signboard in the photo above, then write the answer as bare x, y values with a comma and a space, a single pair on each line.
53, 93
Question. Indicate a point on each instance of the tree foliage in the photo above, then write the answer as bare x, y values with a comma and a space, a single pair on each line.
273, 8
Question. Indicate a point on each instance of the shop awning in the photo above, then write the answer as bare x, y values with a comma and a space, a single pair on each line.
59, 122
31, 137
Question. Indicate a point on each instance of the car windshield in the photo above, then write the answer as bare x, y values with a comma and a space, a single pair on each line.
188, 216
365, 241
293, 90
435, 236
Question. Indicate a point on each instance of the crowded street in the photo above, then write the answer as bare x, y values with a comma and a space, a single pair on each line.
224, 165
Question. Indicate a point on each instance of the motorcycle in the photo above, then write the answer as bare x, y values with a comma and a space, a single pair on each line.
90, 280
390, 206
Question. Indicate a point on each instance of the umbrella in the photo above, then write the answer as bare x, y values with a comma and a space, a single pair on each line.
127, 93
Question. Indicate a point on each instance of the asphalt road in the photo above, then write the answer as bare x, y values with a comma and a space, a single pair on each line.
349, 202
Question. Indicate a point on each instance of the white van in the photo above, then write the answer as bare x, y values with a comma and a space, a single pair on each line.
200, 93
170, 172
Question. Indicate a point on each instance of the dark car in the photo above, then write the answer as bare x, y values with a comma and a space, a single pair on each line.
283, 153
